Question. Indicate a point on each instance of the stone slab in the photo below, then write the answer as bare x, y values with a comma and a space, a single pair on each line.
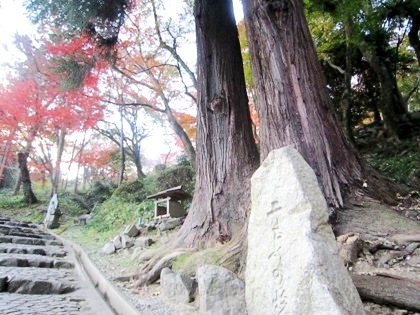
293, 266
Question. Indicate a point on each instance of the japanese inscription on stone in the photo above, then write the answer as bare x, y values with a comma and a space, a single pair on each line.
274, 257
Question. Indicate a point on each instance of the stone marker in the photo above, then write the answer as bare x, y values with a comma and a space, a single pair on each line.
293, 265
53, 214
221, 292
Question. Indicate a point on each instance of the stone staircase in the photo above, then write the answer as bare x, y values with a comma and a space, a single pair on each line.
39, 275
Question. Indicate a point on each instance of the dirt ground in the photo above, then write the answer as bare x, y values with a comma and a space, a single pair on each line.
378, 254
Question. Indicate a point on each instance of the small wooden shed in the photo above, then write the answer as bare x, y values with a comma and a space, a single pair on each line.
167, 202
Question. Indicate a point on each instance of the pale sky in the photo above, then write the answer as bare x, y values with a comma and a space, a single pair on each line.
12, 21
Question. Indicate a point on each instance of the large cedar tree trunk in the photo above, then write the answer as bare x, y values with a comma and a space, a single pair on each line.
28, 194
226, 151
292, 100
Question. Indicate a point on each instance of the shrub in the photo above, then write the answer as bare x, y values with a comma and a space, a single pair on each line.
12, 202
175, 176
99, 192
133, 191
72, 204
397, 167
117, 212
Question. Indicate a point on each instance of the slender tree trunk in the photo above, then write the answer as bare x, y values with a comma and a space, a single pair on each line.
85, 177
346, 106
392, 103
413, 35
292, 100
18, 184
28, 194
180, 132
56, 174
76, 180
226, 152
137, 163
122, 151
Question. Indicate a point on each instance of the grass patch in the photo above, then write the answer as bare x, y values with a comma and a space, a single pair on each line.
11, 202
397, 167
188, 263
116, 212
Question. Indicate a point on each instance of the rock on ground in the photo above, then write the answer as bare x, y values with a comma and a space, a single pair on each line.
221, 291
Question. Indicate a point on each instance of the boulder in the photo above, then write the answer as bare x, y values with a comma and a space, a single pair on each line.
109, 248
126, 241
143, 242
131, 230
293, 262
170, 224
175, 287
221, 292
117, 242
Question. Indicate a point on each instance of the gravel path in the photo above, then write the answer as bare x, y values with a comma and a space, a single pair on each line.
147, 300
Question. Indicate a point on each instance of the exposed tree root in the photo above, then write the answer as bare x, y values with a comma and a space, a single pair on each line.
389, 289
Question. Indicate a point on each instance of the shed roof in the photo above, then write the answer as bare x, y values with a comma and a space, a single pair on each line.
176, 193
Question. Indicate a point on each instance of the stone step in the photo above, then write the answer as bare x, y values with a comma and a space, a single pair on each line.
17, 223
29, 241
41, 304
39, 275
25, 232
53, 251
28, 260
36, 281
66, 275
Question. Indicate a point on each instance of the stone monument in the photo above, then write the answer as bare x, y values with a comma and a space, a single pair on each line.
293, 266
53, 214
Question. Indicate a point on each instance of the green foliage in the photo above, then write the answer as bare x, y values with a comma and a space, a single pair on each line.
175, 176
72, 204
116, 212
99, 192
133, 191
74, 70
8, 201
100, 19
372, 23
397, 167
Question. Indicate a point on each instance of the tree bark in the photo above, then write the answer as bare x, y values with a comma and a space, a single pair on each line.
56, 175
346, 102
389, 290
18, 184
292, 100
392, 103
226, 152
122, 151
28, 194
